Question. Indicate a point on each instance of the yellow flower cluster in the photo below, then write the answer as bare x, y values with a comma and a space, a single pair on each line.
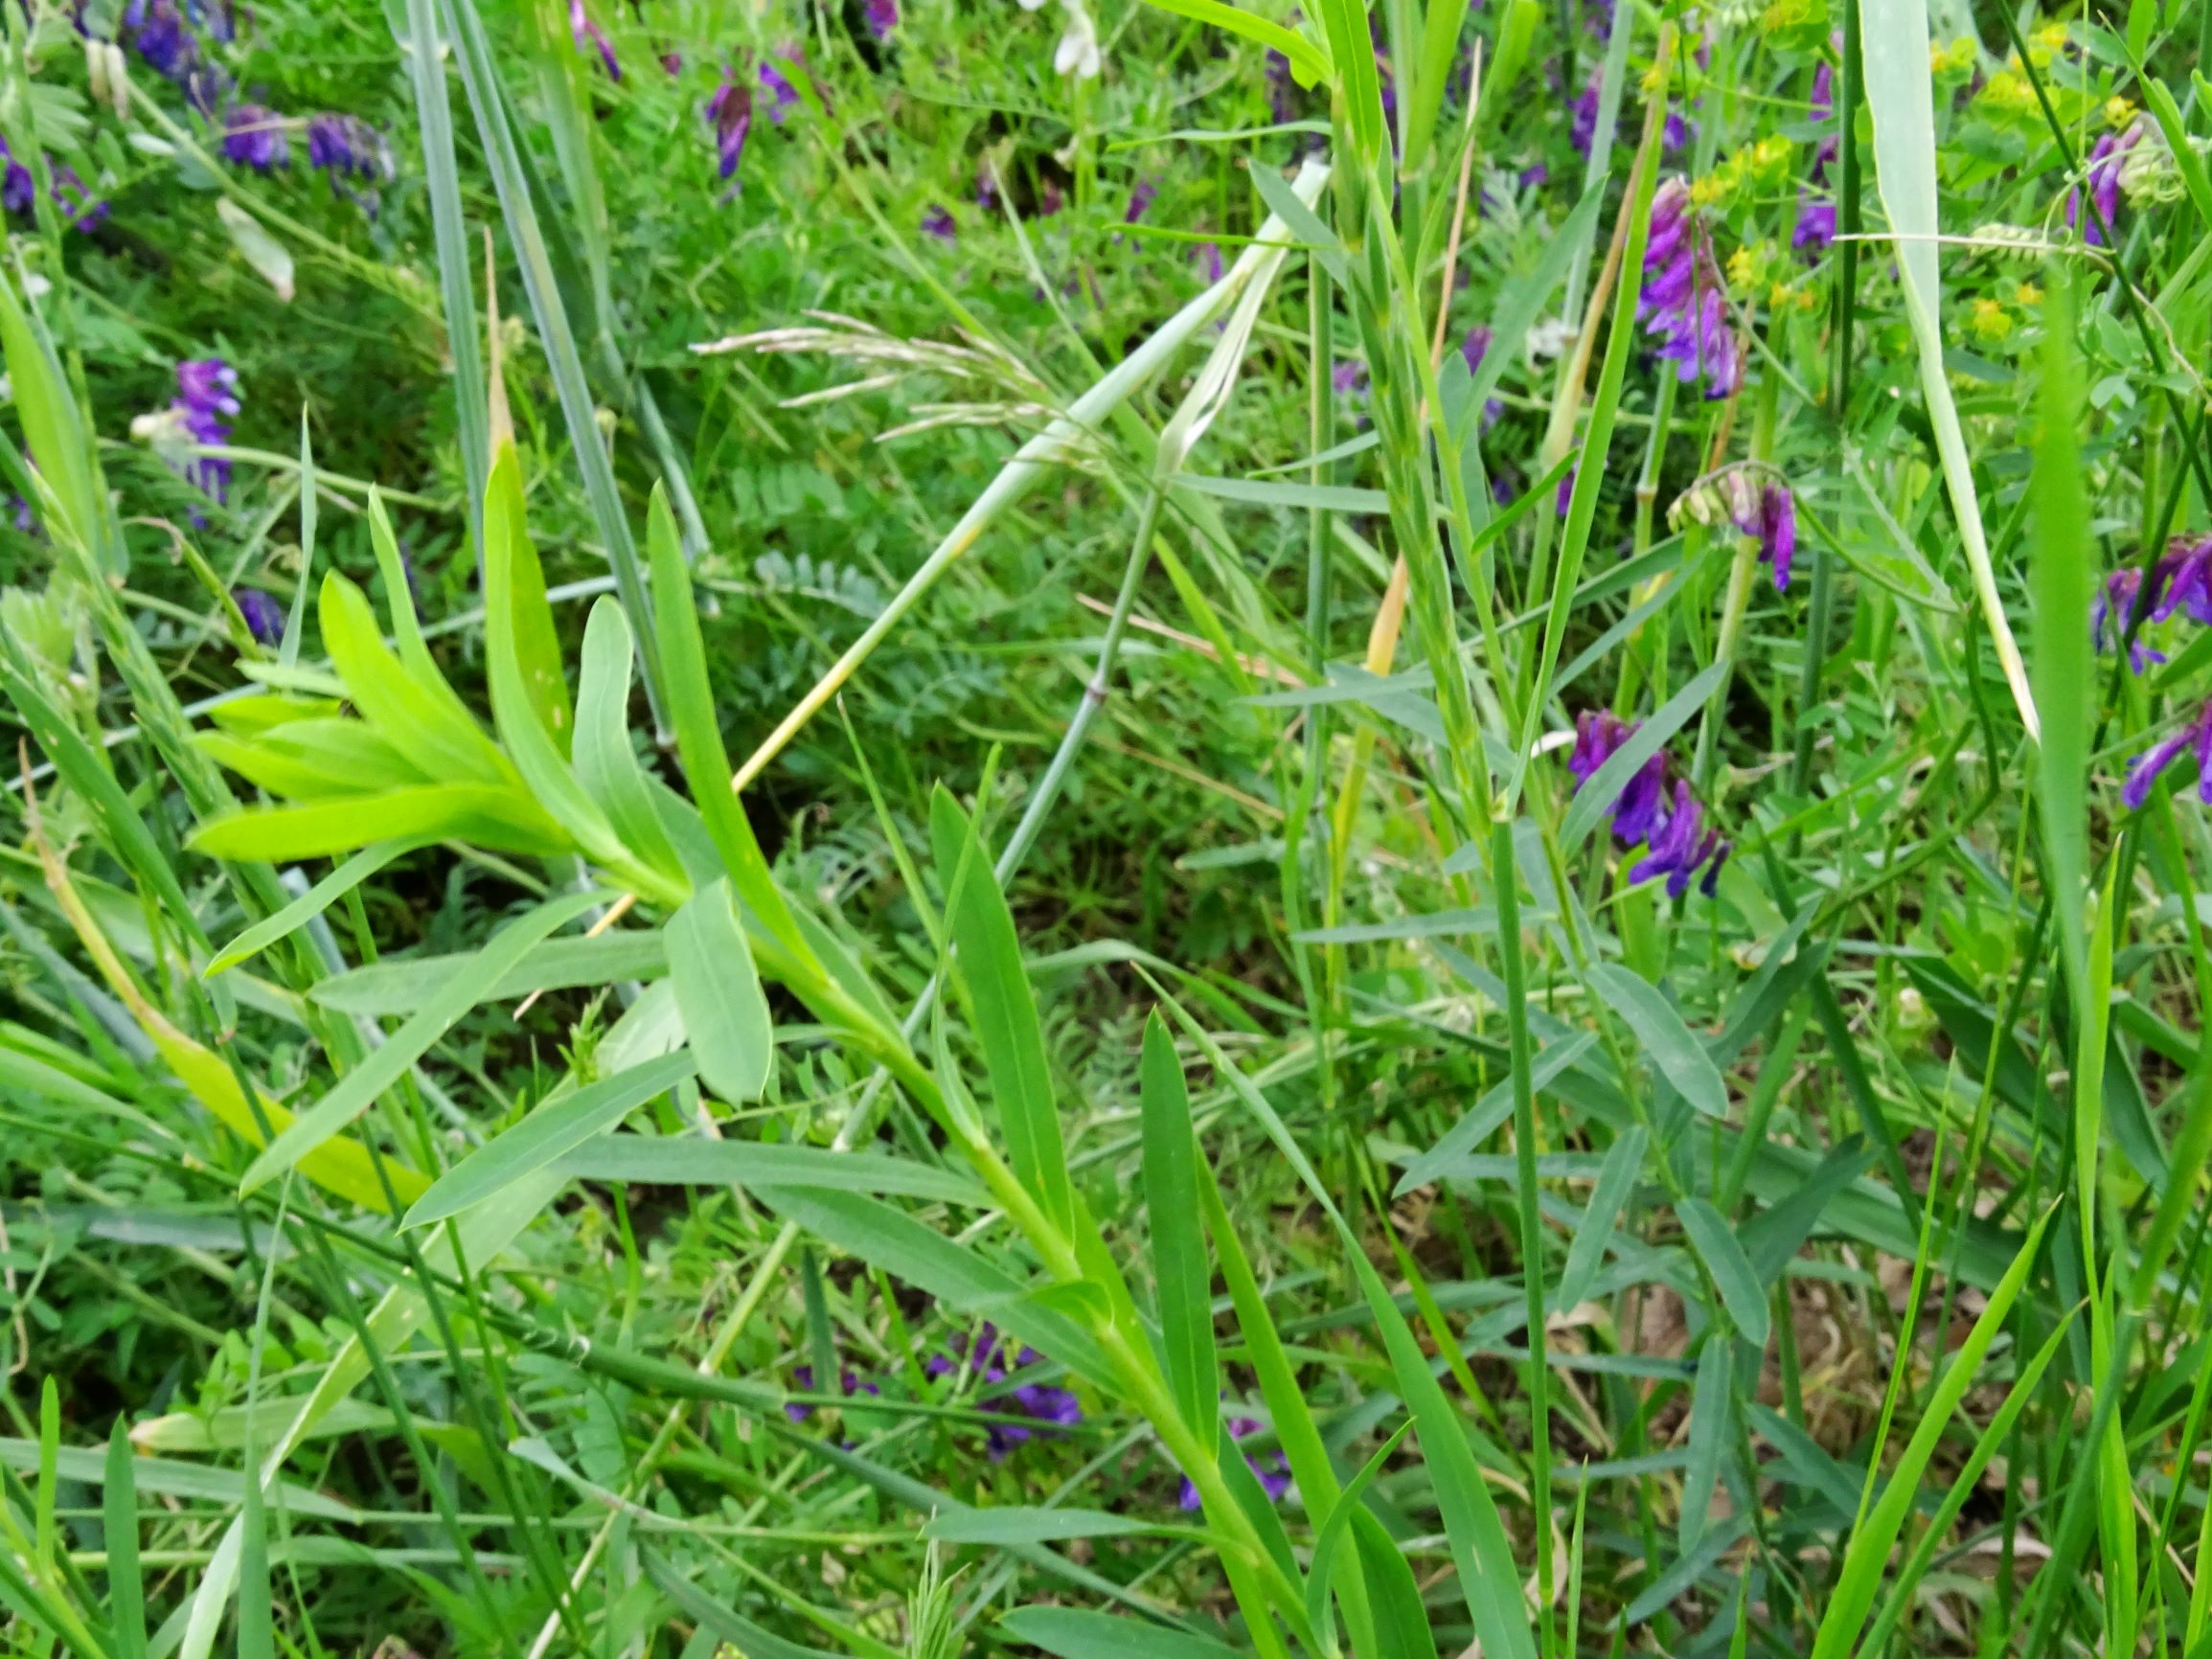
1956, 59
1766, 163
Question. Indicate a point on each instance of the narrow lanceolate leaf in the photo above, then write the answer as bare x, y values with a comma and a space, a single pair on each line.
118, 1525
1485, 1116
1178, 1243
53, 428
693, 1161
1001, 1009
690, 710
1901, 95
606, 765
309, 904
558, 1127
1680, 1057
1733, 1277
2062, 582
1071, 1633
1710, 1405
1873, 1539
718, 995
1616, 1182
386, 1065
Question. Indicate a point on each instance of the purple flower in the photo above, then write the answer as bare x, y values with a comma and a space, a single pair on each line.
802, 1381
1583, 128
1598, 734
1677, 850
17, 192
1767, 513
882, 17
2196, 735
2108, 156
1823, 92
346, 146
782, 94
985, 187
157, 30
1567, 491
1473, 350
265, 617
1049, 200
1348, 377
588, 35
2182, 580
1207, 256
1282, 89
2115, 608
992, 1359
206, 394
937, 221
730, 113
77, 202
1816, 213
1273, 1474
255, 137
1141, 197
1681, 302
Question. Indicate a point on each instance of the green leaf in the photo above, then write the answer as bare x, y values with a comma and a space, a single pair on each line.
119, 1530
309, 904
1070, 1633
691, 1161
1307, 64
315, 758
1334, 1526
1709, 1413
1018, 1524
1303, 221
1740, 1292
690, 710
441, 740
952, 1272
995, 987
1901, 97
121, 824
1483, 1118
402, 987
1594, 799
718, 993
1178, 1243
517, 619
559, 1125
1616, 1183
388, 1062
1680, 1057
740, 1633
54, 432
605, 765
484, 815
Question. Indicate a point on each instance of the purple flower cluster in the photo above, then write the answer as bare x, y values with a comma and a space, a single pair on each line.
1272, 1472
1142, 195
162, 32
2195, 738
993, 1359
1768, 512
2108, 156
346, 146
19, 193
254, 136
777, 82
882, 17
1473, 350
206, 398
1815, 208
265, 617
588, 36
2181, 580
937, 221
1683, 302
730, 113
1677, 841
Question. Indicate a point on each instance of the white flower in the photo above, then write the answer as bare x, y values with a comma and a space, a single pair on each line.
1077, 55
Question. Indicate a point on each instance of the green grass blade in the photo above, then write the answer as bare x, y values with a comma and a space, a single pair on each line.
555, 1127
1616, 1183
386, 1065
1001, 1007
309, 904
1844, 1618
119, 1535
1711, 1407
1178, 1242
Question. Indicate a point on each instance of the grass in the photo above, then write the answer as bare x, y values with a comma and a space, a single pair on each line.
924, 933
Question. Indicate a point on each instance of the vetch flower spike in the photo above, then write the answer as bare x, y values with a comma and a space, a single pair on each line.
2194, 737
